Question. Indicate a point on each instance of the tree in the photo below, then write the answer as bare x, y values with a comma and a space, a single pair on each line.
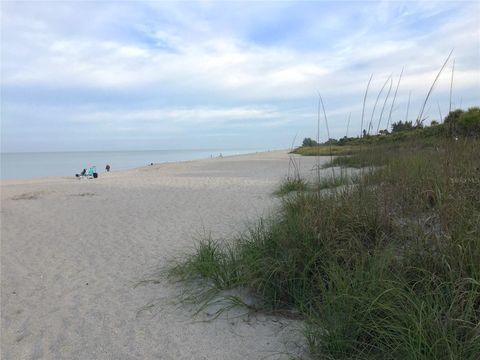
402, 126
344, 140
309, 142
468, 123
451, 121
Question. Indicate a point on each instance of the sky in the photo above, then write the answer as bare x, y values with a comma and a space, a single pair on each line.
120, 75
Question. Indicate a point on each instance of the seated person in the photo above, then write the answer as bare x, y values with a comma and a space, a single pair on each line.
84, 171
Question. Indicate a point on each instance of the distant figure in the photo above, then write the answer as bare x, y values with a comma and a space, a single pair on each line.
107, 168
151, 164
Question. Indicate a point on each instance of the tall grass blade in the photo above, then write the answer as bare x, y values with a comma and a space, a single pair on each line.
364, 101
419, 118
408, 105
394, 98
451, 87
376, 102
328, 131
384, 103
348, 124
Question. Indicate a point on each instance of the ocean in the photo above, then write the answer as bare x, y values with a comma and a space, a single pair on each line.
28, 165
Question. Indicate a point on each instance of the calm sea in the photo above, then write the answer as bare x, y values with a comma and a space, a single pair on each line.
32, 165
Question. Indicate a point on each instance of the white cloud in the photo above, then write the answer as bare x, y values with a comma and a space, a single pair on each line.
204, 66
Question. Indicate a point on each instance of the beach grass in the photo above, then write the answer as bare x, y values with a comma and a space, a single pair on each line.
334, 180
326, 150
386, 269
328, 181
291, 184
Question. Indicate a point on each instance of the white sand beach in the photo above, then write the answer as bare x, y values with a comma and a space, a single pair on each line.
73, 250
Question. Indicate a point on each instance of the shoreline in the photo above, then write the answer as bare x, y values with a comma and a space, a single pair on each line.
103, 172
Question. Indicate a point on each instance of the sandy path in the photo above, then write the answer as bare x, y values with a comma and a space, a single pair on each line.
71, 252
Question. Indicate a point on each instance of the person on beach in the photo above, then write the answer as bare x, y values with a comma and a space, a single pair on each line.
107, 168
84, 171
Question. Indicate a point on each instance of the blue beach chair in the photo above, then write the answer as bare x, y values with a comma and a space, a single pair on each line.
92, 172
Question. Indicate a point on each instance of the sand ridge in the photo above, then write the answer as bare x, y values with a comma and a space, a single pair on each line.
73, 250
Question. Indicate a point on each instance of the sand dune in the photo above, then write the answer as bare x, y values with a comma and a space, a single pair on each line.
72, 251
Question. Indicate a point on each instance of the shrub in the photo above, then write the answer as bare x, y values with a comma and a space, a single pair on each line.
404, 126
468, 123
309, 142
464, 123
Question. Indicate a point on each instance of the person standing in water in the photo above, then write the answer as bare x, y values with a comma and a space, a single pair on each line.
107, 168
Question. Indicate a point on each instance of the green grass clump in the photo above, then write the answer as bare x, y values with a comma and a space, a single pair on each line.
334, 181
213, 262
373, 312
298, 184
353, 161
386, 269
292, 184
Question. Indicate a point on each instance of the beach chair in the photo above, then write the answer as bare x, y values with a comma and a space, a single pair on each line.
92, 172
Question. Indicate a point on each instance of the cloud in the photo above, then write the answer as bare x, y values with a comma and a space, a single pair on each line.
167, 68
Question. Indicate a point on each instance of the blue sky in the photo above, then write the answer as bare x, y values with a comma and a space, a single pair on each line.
171, 75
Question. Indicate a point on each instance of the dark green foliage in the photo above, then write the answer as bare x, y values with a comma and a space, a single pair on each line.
345, 140
309, 142
451, 121
458, 123
464, 123
331, 142
404, 126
